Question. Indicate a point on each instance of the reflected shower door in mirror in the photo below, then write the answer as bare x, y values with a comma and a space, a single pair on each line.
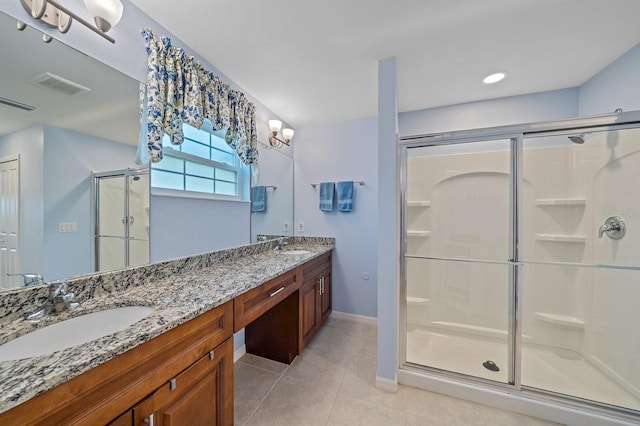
276, 174
122, 219
65, 115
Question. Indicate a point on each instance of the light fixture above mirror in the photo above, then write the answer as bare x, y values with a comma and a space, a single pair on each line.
106, 13
287, 134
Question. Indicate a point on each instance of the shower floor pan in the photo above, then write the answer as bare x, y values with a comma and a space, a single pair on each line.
542, 367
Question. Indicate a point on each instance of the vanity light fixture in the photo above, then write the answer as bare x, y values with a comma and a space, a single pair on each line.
287, 134
494, 78
106, 13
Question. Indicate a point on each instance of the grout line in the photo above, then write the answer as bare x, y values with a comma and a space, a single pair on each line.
268, 393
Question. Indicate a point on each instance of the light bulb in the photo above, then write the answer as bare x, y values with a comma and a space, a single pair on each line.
107, 13
287, 134
275, 125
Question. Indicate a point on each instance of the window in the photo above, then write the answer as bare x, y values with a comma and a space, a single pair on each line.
203, 163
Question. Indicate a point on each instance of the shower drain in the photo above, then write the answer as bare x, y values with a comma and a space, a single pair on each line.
490, 365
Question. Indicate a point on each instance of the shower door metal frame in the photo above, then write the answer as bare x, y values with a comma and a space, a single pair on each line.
95, 203
517, 133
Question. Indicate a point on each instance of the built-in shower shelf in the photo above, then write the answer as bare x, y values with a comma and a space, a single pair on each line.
419, 203
417, 301
561, 320
561, 201
562, 238
423, 234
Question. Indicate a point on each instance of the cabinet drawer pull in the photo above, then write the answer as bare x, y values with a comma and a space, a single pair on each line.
281, 289
172, 384
149, 420
212, 355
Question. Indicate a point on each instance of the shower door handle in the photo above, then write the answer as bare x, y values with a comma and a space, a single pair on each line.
614, 227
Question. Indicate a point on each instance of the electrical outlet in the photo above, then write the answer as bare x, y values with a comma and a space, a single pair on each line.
300, 226
285, 227
67, 227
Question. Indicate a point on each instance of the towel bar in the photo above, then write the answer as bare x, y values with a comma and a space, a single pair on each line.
359, 182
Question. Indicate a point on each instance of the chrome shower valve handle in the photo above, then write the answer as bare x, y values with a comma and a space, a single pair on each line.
614, 227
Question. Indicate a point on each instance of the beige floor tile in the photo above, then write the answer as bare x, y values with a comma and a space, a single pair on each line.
293, 402
264, 364
318, 368
351, 411
360, 381
251, 385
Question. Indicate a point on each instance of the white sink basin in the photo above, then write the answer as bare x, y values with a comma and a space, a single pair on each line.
72, 332
295, 252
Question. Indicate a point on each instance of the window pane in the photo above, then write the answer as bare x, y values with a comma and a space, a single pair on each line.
198, 169
161, 179
199, 184
226, 175
192, 133
170, 163
225, 188
195, 148
223, 157
220, 144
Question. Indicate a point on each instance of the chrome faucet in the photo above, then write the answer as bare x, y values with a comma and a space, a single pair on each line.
282, 241
29, 279
58, 300
614, 227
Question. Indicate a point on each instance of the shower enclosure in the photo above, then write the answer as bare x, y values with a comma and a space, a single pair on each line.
121, 218
520, 257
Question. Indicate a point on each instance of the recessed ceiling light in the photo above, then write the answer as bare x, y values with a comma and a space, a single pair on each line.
494, 78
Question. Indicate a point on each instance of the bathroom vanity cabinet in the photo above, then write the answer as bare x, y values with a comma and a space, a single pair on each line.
143, 377
315, 297
184, 376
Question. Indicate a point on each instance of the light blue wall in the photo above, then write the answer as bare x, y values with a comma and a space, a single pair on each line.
193, 226
545, 106
29, 145
69, 159
616, 86
331, 153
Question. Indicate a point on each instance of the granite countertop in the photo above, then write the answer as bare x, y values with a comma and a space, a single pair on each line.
176, 299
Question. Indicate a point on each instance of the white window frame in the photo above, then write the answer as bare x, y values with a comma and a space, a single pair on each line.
183, 193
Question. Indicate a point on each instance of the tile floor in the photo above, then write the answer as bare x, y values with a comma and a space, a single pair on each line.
332, 383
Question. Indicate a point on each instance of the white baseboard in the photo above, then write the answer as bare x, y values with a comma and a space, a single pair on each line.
385, 384
237, 354
353, 317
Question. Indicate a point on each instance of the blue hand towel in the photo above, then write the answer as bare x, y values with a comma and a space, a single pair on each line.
345, 196
326, 196
258, 198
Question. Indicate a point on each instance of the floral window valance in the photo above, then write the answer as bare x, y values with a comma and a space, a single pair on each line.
180, 90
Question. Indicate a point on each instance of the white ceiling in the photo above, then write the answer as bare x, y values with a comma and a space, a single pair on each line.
316, 61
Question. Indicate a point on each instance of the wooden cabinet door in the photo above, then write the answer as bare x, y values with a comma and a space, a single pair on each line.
126, 419
324, 308
200, 395
309, 295
198, 405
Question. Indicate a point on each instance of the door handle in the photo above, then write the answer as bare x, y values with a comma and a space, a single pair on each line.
149, 420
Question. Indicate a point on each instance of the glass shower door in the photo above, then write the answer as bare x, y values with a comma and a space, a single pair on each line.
581, 241
459, 277
122, 220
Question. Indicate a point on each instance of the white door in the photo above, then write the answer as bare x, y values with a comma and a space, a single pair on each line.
9, 222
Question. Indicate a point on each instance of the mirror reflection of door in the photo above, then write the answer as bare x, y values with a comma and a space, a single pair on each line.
122, 219
9, 221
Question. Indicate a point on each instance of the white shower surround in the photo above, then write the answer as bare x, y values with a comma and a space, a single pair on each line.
567, 192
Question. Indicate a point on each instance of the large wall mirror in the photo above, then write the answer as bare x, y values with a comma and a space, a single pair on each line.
63, 116
276, 175
66, 142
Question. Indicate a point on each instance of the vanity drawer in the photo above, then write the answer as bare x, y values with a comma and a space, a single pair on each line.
255, 302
